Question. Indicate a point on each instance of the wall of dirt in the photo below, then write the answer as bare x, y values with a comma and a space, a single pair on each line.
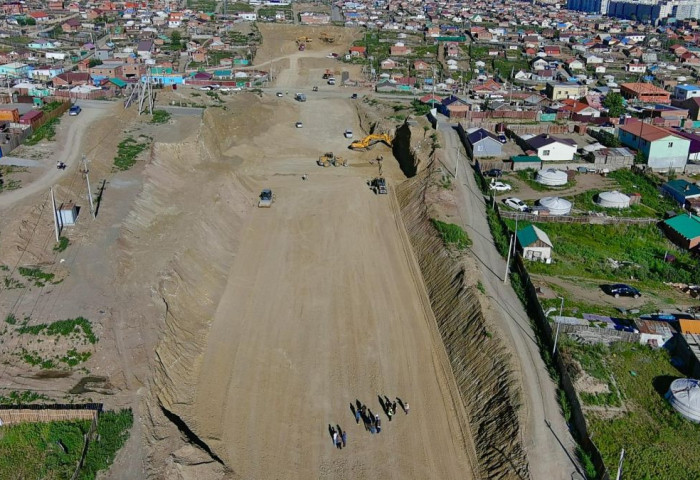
197, 250
479, 359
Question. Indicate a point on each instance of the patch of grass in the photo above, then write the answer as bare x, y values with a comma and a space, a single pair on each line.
11, 283
41, 450
480, 287
160, 116
453, 235
658, 442
583, 251
11, 319
46, 131
62, 244
74, 357
63, 328
127, 151
647, 186
113, 430
39, 277
21, 398
51, 106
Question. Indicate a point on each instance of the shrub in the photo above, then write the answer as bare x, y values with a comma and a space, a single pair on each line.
452, 234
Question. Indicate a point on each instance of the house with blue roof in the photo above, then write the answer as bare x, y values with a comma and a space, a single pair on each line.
680, 190
481, 143
684, 92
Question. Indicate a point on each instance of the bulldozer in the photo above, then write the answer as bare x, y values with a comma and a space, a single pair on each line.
369, 141
327, 37
329, 158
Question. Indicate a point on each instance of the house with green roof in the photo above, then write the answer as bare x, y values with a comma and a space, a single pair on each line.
683, 230
534, 244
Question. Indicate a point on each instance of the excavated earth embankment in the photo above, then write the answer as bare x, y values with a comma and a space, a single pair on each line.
479, 359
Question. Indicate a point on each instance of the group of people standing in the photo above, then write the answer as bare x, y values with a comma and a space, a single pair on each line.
371, 420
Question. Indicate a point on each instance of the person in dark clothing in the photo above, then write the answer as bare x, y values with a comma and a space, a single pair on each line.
393, 407
379, 425
344, 436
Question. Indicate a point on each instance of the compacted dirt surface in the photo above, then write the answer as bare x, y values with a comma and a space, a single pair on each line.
238, 334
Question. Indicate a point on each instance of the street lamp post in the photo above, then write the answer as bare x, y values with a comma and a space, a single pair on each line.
556, 336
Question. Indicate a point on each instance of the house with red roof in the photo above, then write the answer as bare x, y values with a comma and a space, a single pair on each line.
358, 51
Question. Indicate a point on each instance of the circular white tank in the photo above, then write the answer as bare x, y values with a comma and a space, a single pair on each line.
556, 205
613, 199
684, 396
551, 177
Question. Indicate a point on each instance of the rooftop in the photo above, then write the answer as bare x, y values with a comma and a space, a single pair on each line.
646, 131
640, 87
687, 226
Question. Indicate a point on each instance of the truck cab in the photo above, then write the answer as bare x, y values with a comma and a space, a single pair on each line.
265, 198
300, 97
379, 186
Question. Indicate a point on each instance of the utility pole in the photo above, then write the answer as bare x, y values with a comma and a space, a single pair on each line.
556, 335
510, 247
457, 164
55, 214
87, 180
619, 467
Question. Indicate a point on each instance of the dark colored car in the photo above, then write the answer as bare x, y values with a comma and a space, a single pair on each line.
354, 96
621, 289
75, 110
494, 172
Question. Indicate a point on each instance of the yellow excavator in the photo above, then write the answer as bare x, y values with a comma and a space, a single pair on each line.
329, 158
367, 142
327, 37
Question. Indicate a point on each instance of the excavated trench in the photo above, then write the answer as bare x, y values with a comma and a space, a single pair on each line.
480, 361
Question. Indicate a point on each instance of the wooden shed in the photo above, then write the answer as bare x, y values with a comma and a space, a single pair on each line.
534, 244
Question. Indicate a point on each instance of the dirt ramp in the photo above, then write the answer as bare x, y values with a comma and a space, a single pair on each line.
479, 359
191, 208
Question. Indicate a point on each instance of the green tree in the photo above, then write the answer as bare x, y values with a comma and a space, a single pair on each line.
94, 62
175, 39
615, 104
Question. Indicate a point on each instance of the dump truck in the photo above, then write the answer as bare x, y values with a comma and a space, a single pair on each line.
327, 37
329, 158
265, 198
367, 142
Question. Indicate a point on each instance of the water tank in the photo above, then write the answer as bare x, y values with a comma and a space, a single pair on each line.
556, 205
551, 177
684, 396
613, 199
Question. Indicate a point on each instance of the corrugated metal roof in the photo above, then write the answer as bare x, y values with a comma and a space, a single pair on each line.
687, 226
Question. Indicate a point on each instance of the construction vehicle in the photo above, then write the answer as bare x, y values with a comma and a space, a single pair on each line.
367, 142
304, 40
378, 185
328, 74
300, 97
329, 158
327, 37
266, 198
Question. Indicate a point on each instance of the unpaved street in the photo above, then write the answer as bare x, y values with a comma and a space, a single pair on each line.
550, 447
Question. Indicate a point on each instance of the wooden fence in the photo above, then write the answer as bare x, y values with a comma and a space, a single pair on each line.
14, 414
589, 219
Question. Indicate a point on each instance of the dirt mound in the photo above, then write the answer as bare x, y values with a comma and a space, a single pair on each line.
280, 40
196, 245
487, 384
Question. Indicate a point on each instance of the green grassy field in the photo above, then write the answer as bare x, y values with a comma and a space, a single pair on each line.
583, 251
52, 450
659, 443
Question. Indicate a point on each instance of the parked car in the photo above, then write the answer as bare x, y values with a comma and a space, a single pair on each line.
516, 204
621, 289
205, 88
500, 186
315, 89
280, 94
494, 173
74, 110
299, 125
348, 133
502, 138
353, 96
231, 89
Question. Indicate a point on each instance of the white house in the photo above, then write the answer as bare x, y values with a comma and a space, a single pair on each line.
636, 67
248, 16
551, 148
534, 244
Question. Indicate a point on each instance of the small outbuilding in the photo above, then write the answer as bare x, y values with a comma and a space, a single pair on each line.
683, 230
613, 199
534, 244
67, 214
684, 397
556, 205
552, 177
523, 162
